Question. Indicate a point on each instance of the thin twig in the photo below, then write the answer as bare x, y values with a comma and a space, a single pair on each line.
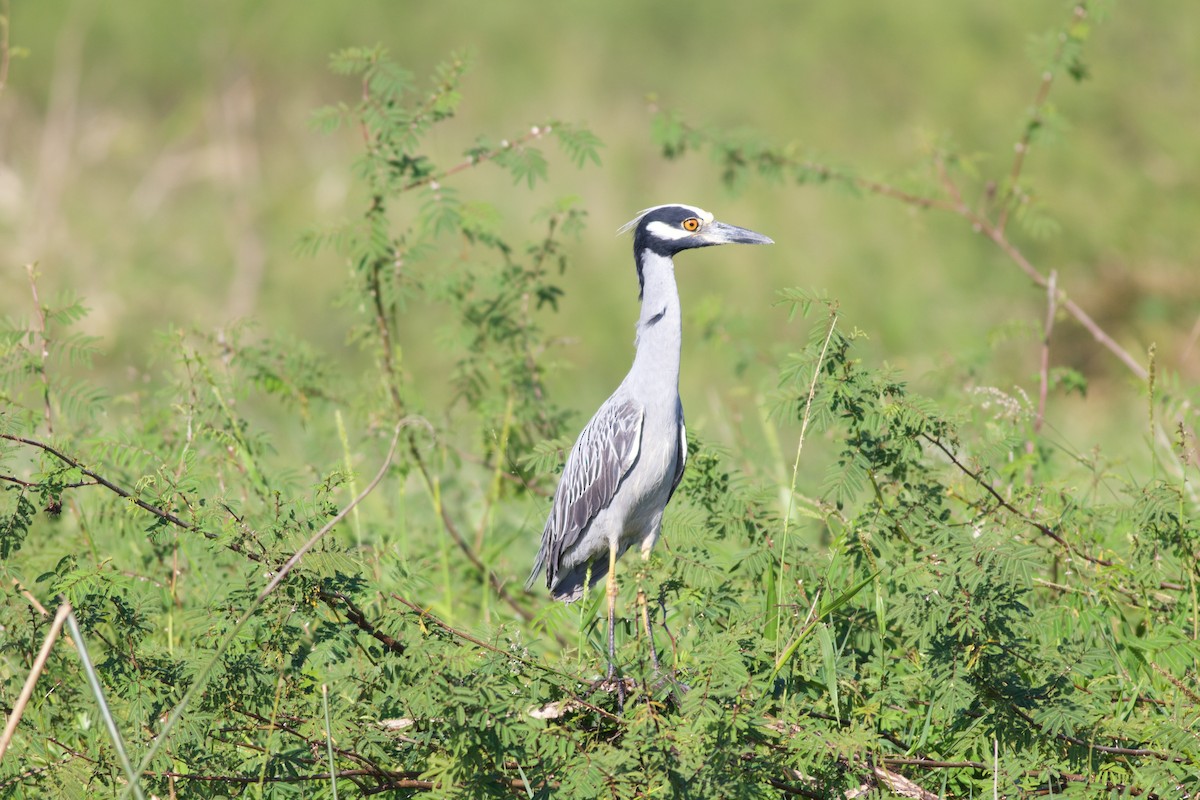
806, 418
35, 771
997, 235
311, 744
995, 232
392, 782
933, 763
341, 515
1075, 310
360, 621
534, 133
1102, 748
1044, 370
28, 595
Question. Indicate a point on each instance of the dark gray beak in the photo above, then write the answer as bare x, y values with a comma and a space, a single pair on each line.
721, 233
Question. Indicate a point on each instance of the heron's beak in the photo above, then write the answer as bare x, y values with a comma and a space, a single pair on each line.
721, 233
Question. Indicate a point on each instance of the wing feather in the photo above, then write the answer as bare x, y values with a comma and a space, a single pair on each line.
603, 454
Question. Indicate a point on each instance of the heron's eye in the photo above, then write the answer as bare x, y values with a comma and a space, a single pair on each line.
691, 224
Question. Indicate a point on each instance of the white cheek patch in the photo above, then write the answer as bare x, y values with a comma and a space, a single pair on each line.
661, 230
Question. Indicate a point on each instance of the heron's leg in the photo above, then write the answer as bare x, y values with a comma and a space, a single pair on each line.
612, 624
612, 609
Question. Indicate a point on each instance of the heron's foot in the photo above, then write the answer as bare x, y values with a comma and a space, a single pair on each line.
616, 681
614, 684
664, 687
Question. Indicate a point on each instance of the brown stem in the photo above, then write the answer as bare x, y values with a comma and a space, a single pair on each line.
996, 233
1044, 369
1081, 316
1021, 149
356, 616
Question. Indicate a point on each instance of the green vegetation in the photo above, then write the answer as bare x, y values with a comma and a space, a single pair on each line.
282, 557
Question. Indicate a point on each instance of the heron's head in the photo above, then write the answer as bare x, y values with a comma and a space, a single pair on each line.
666, 230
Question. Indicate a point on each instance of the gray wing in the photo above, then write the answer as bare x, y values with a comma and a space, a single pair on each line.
682, 460
606, 449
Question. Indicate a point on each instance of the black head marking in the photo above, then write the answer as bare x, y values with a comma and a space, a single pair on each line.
660, 230
663, 231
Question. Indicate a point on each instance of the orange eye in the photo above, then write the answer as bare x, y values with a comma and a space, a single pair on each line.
691, 224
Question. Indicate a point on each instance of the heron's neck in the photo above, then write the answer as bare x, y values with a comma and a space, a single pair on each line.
659, 328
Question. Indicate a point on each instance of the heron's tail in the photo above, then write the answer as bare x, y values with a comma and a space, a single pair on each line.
569, 586
538, 564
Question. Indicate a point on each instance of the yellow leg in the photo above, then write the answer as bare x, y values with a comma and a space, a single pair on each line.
612, 609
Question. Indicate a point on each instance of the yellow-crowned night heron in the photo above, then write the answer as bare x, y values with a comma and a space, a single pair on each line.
629, 458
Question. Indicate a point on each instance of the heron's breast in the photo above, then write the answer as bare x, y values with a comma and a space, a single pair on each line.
649, 482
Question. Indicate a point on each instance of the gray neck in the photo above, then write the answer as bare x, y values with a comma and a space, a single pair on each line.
659, 328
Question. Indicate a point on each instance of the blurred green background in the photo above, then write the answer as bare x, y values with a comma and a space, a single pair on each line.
157, 160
